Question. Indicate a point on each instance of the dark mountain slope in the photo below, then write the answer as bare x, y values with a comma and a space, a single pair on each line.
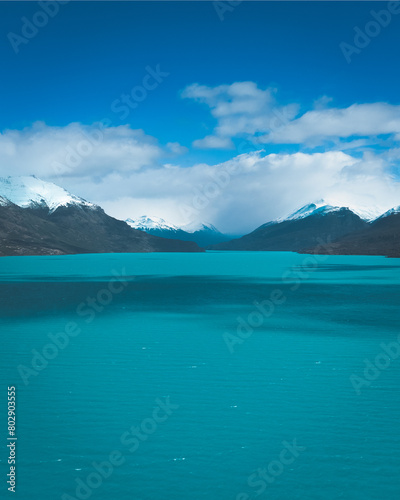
382, 237
296, 235
75, 229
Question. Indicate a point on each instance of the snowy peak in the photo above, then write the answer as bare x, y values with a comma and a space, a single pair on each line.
392, 211
368, 214
146, 222
204, 234
321, 207
194, 227
31, 192
150, 222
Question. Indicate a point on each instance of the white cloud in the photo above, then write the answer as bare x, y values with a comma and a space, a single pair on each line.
239, 97
214, 142
176, 148
248, 190
362, 120
124, 174
241, 109
76, 150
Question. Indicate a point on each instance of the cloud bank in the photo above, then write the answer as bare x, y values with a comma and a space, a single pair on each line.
349, 156
243, 110
77, 150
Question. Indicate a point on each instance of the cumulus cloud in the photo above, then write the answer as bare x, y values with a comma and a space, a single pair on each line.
76, 150
241, 109
125, 174
239, 195
362, 120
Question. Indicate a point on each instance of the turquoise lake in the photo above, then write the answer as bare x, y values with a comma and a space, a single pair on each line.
218, 375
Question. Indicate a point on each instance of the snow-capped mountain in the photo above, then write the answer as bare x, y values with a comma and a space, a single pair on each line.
392, 211
40, 218
194, 227
31, 192
300, 230
321, 207
204, 234
147, 222
379, 237
351, 229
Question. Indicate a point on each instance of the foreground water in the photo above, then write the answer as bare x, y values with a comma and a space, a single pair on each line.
226, 376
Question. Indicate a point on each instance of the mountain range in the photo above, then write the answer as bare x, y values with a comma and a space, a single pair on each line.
40, 218
204, 234
379, 237
324, 228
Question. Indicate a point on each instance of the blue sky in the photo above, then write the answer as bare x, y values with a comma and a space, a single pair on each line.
91, 53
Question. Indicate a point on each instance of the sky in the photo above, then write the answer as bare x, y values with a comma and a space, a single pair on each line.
228, 113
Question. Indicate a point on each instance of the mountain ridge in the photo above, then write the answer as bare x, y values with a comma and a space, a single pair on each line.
41, 218
51, 221
296, 234
202, 233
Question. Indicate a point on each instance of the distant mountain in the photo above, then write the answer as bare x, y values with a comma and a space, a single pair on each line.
202, 234
40, 218
146, 223
322, 207
303, 229
380, 237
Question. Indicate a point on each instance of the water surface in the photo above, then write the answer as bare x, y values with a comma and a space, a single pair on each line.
169, 332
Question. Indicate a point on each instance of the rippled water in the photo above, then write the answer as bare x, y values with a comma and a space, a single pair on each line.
258, 357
